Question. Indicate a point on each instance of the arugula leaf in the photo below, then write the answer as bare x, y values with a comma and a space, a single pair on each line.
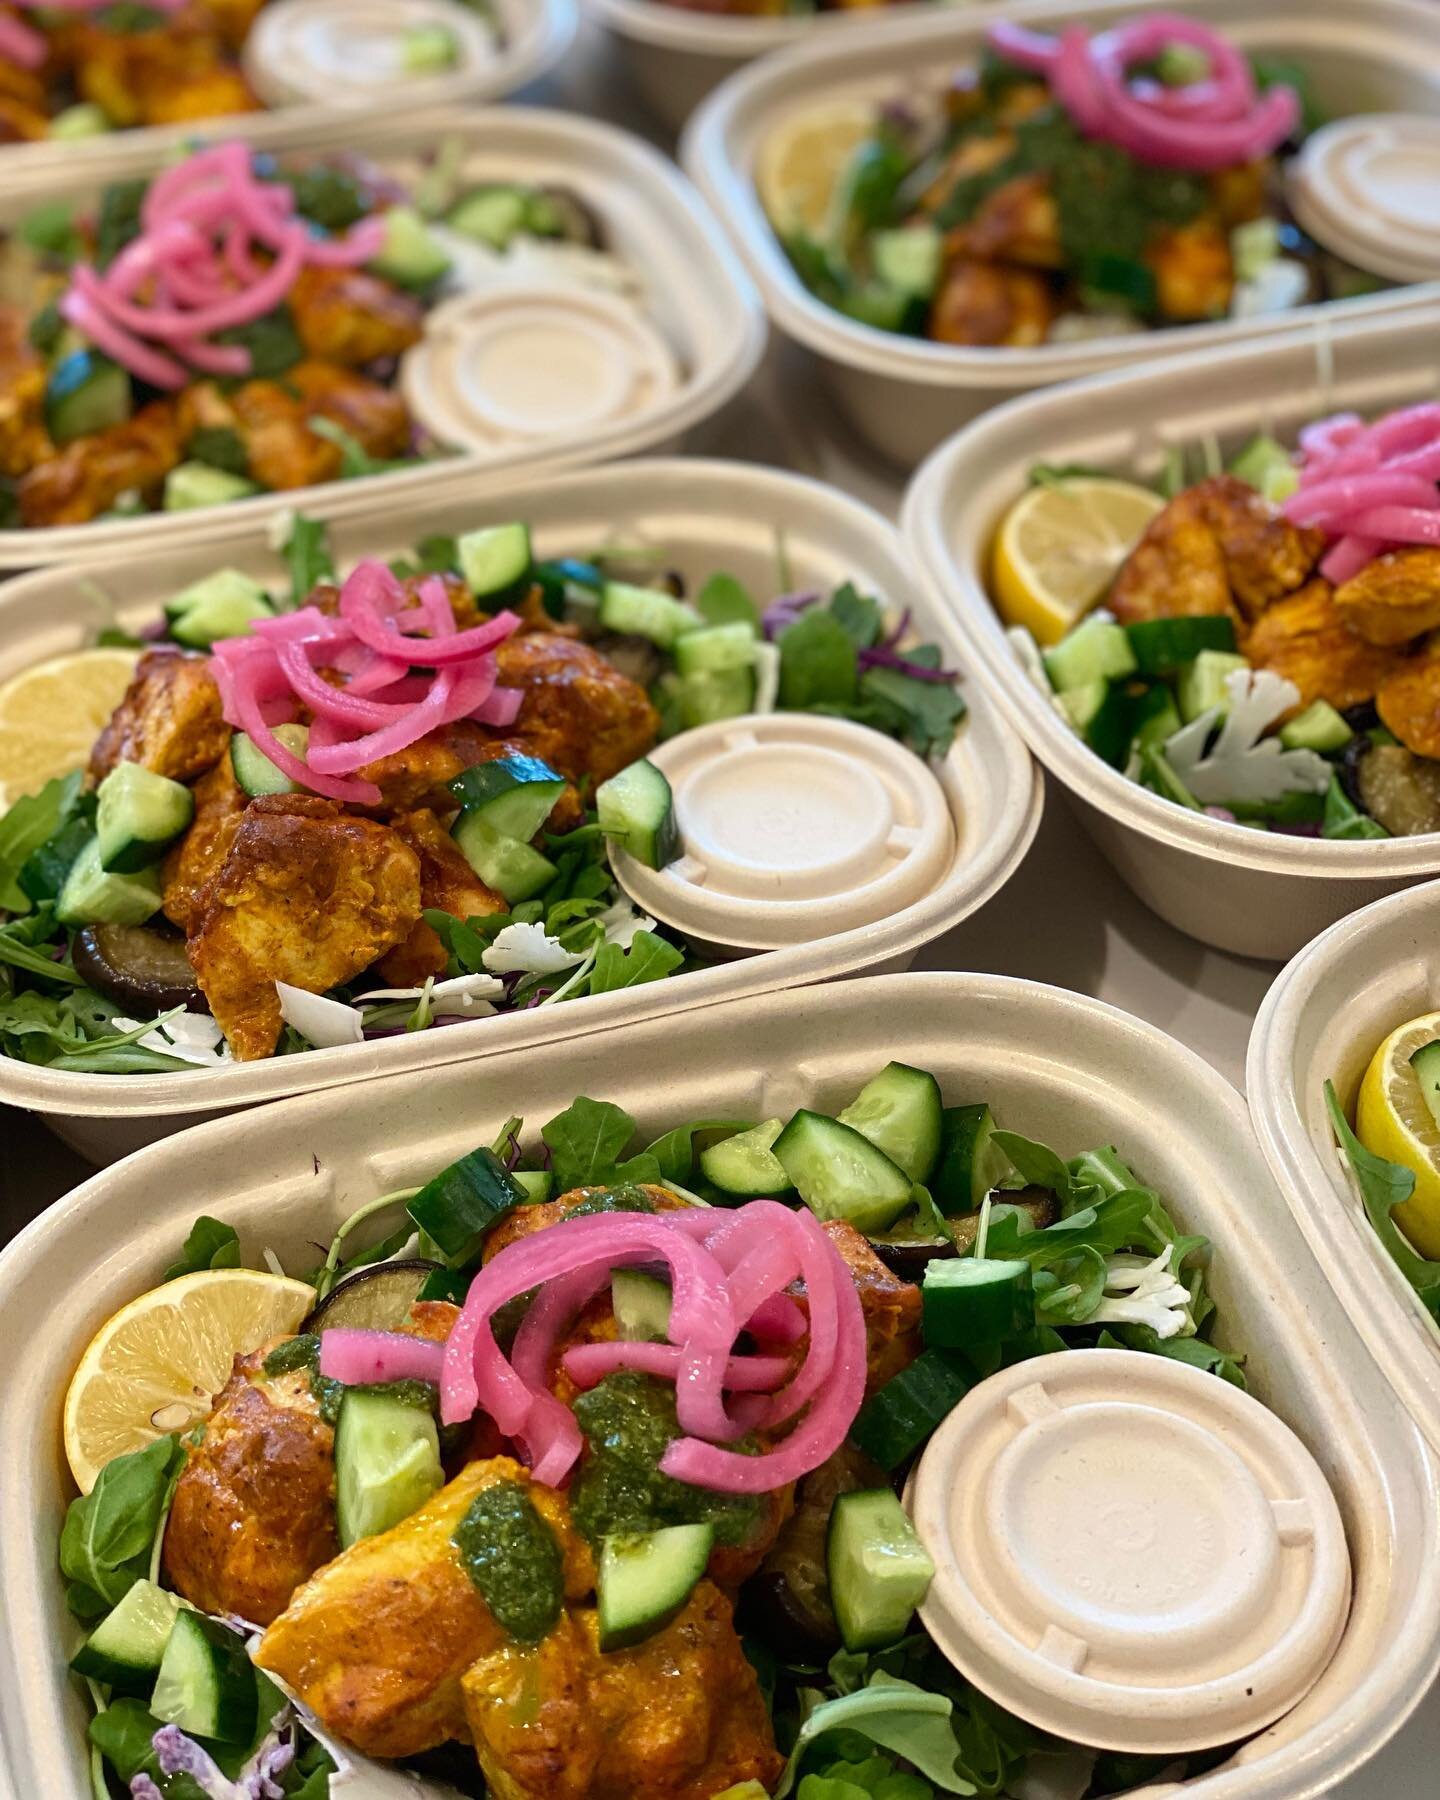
649, 958
307, 552
221, 447
858, 615
43, 873
932, 709
123, 1733
108, 1533
1193, 1350
677, 1151
1384, 1186
899, 1717
32, 821
586, 1142
355, 459
1342, 819
818, 663
212, 1244
725, 601
1036, 1164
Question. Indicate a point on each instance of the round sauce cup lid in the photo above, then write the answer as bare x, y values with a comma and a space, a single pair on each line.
1368, 188
1130, 1552
338, 50
794, 827
515, 365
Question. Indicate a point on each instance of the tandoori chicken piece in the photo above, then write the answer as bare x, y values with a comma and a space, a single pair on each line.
254, 1509
1018, 223
1395, 598
308, 895
158, 77
525, 1221
984, 303
24, 440
232, 18
348, 316
373, 414
419, 776
88, 476
272, 418
187, 871
1193, 269
579, 714
1408, 700
447, 884
1306, 640
170, 720
678, 1717
377, 1641
20, 123
891, 1306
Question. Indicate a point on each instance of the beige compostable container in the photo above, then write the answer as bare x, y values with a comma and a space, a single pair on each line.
1323, 1020
694, 298
1053, 1065
706, 517
904, 394
1253, 893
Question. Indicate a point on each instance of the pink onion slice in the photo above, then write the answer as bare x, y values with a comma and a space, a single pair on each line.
359, 1357
587, 1364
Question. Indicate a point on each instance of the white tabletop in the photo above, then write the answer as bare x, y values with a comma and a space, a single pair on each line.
1102, 942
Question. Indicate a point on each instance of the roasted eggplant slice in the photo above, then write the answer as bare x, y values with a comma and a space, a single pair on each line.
908, 1257
378, 1298
146, 970
1038, 1202
1399, 790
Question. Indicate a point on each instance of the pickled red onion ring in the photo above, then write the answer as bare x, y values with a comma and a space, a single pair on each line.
587, 1364
1370, 488
360, 1357
20, 45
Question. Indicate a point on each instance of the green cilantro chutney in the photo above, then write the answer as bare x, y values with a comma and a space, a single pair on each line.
303, 1352
624, 1198
511, 1556
628, 1421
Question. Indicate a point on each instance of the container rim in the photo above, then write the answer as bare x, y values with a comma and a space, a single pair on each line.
991, 441
959, 894
728, 35
710, 147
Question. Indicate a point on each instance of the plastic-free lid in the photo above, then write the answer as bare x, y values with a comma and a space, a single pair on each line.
329, 50
1368, 188
1130, 1552
514, 365
794, 827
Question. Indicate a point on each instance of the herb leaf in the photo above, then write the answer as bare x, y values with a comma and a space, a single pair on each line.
307, 552
212, 1244
1384, 1186
586, 1143
649, 958
32, 821
107, 1536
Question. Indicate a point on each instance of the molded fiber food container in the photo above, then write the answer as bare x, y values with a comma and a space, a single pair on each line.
708, 516
653, 220
536, 34
1251, 892
1322, 1021
905, 394
1052, 1063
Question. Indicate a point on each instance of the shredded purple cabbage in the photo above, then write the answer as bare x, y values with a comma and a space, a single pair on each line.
1309, 829
1221, 812
785, 611
154, 632
878, 657
535, 999
512, 1152
181, 1755
143, 1788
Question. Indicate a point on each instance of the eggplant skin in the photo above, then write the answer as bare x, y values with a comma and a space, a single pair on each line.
143, 969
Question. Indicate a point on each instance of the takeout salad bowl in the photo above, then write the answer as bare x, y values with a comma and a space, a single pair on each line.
692, 308
1251, 893
1063, 1068
706, 517
1323, 1019
904, 394
529, 37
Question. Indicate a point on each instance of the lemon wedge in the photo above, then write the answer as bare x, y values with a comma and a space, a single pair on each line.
52, 713
1393, 1119
1061, 545
157, 1365
802, 161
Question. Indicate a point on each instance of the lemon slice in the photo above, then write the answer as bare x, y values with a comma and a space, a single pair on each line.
1061, 545
52, 713
803, 159
1393, 1120
157, 1365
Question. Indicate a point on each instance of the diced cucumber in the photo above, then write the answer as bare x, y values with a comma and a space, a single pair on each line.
745, 1165
192, 484
428, 49
896, 1420
222, 605
646, 612
1082, 705
714, 694
1165, 646
909, 259
646, 1578
515, 870
1202, 682
840, 1174
1266, 465
496, 559
458, 1207
1097, 650
387, 1462
490, 215
1426, 1065
537, 1185
254, 770
206, 1684
90, 896
84, 120
900, 1111
1159, 722
716, 649
1160, 778
86, 393
972, 1301
1319, 727
126, 1648
410, 254
138, 815
514, 795
970, 1162
637, 810
877, 1568
642, 1306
